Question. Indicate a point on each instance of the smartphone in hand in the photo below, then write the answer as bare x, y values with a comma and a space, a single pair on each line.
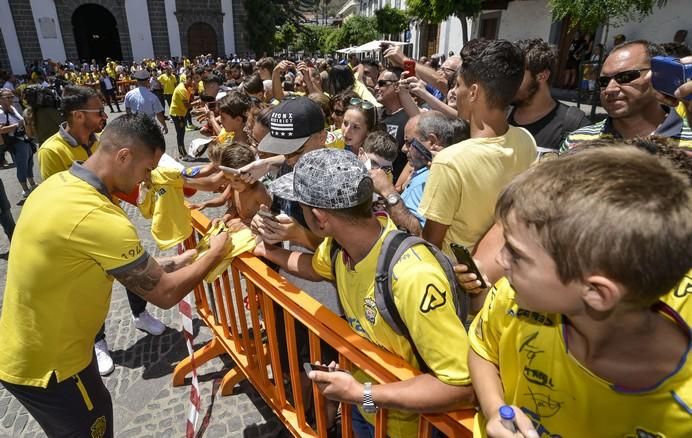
463, 256
307, 366
668, 73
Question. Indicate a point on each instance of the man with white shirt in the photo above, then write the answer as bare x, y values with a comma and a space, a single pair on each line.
142, 100
108, 84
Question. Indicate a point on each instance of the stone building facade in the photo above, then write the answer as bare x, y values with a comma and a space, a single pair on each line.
131, 30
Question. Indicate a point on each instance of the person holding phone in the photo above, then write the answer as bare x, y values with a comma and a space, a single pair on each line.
430, 131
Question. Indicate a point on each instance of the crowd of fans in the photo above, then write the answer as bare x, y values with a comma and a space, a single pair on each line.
580, 230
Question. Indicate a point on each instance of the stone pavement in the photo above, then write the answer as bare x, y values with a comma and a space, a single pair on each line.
145, 402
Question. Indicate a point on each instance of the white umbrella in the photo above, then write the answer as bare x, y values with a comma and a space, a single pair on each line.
346, 50
376, 44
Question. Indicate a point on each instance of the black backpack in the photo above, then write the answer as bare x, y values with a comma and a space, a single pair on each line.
395, 244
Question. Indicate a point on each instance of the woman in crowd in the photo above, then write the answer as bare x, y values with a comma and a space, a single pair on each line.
17, 142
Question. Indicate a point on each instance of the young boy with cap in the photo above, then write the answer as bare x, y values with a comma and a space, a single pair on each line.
334, 191
578, 340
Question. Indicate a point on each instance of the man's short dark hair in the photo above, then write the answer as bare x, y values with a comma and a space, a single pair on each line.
539, 56
266, 63
381, 144
371, 62
212, 79
651, 49
497, 66
677, 50
138, 130
253, 84
75, 97
235, 104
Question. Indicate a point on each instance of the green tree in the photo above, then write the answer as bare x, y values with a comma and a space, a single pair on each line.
437, 11
391, 21
286, 36
355, 31
263, 17
587, 15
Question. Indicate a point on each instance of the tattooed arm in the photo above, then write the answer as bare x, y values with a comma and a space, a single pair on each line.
165, 284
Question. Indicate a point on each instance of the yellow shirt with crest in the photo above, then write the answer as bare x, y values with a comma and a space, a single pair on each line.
558, 393
421, 294
170, 223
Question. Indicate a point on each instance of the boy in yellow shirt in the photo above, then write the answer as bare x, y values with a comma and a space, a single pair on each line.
576, 341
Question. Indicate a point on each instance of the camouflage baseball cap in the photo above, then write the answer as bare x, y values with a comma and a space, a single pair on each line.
326, 178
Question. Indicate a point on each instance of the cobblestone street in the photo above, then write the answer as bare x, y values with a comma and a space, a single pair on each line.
145, 402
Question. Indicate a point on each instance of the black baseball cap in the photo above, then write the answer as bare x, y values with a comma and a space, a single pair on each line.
292, 122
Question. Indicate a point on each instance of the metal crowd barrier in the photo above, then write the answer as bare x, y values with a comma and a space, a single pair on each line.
236, 332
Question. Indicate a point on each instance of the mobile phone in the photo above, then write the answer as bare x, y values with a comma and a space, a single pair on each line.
384, 46
211, 106
464, 257
267, 214
307, 366
410, 67
230, 170
668, 73
425, 152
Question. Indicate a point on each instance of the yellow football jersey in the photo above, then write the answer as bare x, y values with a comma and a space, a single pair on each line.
560, 395
170, 222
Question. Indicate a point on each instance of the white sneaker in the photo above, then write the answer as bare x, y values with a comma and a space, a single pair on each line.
149, 324
103, 357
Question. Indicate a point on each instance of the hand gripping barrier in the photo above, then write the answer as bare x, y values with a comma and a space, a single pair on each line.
237, 332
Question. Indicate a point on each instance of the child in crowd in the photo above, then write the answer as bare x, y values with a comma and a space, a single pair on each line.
379, 151
579, 338
243, 199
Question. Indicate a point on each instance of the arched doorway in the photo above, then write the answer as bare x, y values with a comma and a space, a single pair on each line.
96, 33
201, 40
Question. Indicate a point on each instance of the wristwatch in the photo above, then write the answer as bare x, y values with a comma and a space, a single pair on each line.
368, 403
393, 199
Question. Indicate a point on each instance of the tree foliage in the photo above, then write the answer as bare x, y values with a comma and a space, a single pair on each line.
587, 15
391, 20
263, 17
355, 31
437, 11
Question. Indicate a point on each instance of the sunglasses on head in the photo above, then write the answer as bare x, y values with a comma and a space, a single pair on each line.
624, 77
384, 82
361, 103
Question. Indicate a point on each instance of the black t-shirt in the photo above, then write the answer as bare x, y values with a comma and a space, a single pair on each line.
551, 130
395, 124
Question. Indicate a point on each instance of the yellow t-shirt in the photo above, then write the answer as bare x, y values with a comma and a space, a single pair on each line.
560, 395
180, 96
335, 139
170, 223
69, 241
168, 82
59, 152
466, 179
421, 293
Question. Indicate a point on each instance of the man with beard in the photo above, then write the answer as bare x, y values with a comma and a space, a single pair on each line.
631, 102
535, 109
76, 141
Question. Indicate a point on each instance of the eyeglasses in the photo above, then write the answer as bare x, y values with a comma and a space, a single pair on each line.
384, 82
448, 70
101, 111
624, 77
361, 103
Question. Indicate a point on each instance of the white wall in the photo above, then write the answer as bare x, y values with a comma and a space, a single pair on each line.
9, 34
660, 26
228, 33
51, 47
173, 31
451, 37
140, 32
526, 19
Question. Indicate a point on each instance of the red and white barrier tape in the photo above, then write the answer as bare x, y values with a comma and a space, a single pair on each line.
185, 307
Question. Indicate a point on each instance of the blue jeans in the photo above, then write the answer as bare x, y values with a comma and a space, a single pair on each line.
24, 159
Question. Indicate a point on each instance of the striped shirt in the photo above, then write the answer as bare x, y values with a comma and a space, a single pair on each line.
675, 128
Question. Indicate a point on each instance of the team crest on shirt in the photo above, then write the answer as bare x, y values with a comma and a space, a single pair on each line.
684, 287
642, 433
370, 308
98, 429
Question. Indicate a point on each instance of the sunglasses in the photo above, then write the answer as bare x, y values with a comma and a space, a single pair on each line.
101, 112
624, 77
384, 82
361, 103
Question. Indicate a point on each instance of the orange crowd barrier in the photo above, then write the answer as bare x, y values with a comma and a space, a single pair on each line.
236, 332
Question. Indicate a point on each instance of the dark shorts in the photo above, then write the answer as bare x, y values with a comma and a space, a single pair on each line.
79, 406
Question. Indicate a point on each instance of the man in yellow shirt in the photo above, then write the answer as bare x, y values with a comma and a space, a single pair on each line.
465, 179
576, 340
180, 105
335, 194
169, 81
73, 240
76, 140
